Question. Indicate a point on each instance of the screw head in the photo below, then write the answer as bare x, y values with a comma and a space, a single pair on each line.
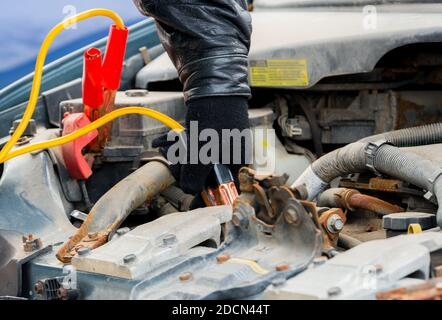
335, 223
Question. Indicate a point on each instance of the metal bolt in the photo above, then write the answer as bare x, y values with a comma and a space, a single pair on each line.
335, 223
334, 291
136, 93
169, 239
129, 258
83, 251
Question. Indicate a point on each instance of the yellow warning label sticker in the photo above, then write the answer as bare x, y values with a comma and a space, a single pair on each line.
279, 73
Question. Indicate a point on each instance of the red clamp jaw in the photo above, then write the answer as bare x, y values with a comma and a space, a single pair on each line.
101, 80
78, 165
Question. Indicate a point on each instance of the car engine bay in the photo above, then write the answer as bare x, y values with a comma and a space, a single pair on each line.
351, 210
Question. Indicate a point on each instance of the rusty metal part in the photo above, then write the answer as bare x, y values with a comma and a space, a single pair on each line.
352, 200
31, 244
266, 212
272, 200
246, 177
104, 131
224, 194
431, 290
373, 204
380, 184
278, 198
311, 208
332, 222
113, 207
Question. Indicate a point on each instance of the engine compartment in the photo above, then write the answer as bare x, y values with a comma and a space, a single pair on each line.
350, 211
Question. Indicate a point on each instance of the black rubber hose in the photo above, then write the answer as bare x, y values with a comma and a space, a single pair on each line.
406, 166
400, 164
412, 168
352, 158
410, 137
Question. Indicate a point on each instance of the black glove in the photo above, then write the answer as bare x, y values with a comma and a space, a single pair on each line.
211, 113
208, 42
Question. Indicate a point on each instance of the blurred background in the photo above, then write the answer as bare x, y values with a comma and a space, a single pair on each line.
25, 24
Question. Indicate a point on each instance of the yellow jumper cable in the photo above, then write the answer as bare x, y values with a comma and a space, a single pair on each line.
5, 153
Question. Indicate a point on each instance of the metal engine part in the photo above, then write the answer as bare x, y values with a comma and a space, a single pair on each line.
363, 271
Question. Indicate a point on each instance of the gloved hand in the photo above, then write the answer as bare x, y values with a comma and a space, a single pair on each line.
208, 42
216, 113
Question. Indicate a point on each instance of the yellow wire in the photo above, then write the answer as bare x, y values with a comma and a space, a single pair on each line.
95, 125
39, 70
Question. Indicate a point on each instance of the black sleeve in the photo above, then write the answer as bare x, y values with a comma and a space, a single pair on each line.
208, 42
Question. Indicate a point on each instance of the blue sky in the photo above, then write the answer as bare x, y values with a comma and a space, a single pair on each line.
26, 22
